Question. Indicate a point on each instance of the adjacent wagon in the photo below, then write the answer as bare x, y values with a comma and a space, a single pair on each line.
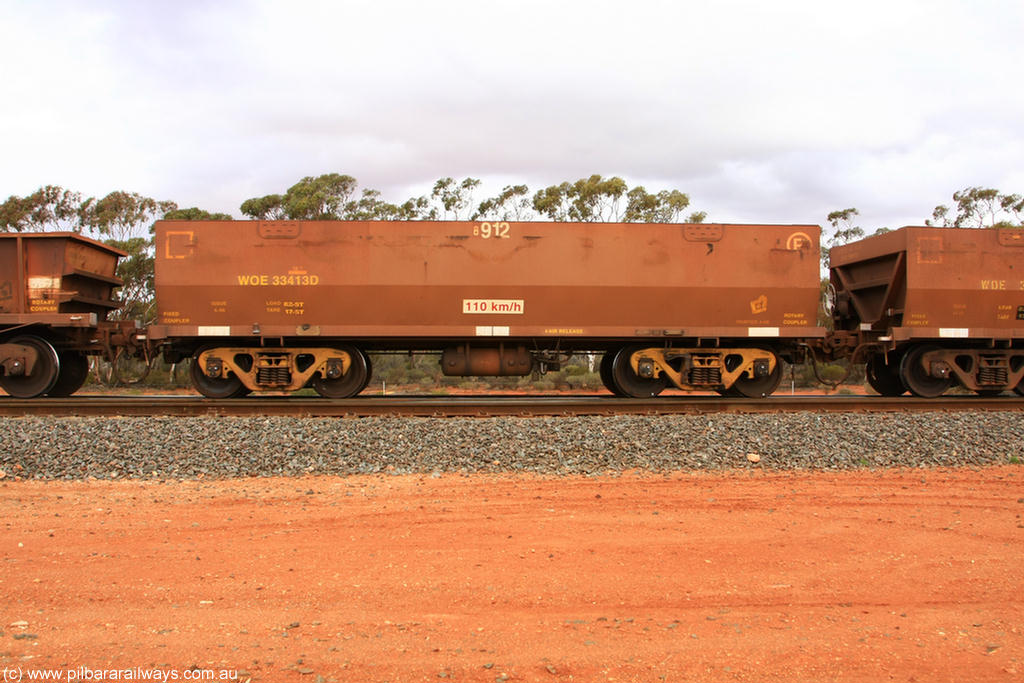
935, 307
56, 291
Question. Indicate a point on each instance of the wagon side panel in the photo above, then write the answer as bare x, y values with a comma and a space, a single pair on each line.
460, 279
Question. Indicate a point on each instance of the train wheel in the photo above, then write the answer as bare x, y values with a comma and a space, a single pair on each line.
215, 387
349, 384
1019, 389
628, 382
917, 379
74, 369
43, 377
884, 378
606, 373
369, 371
758, 387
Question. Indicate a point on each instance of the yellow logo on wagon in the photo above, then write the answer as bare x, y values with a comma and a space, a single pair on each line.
798, 241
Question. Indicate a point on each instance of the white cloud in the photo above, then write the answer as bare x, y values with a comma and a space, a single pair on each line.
761, 111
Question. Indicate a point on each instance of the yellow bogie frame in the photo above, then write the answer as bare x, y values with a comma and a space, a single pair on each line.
274, 369
704, 368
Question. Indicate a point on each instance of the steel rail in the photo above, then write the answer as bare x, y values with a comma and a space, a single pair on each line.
486, 406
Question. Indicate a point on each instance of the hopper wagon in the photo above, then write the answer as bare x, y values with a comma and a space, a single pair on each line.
56, 291
281, 305
936, 307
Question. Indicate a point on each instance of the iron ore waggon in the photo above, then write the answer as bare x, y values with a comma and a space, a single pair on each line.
56, 290
934, 308
279, 305
282, 305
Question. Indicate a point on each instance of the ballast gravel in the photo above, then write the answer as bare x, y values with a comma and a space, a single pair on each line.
225, 447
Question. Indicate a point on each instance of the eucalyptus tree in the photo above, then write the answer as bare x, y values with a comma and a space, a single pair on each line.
48, 209
978, 207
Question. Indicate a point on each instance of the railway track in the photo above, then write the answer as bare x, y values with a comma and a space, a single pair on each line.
488, 406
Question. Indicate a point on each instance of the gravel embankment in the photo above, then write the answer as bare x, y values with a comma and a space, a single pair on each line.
109, 448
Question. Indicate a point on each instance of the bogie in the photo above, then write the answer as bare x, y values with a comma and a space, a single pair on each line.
230, 372
750, 372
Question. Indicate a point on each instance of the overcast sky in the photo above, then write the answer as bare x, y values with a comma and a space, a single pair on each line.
762, 111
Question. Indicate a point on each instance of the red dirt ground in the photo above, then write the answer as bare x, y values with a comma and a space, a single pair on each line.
914, 575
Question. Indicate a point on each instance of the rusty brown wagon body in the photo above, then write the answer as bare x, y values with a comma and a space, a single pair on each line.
278, 305
56, 290
935, 306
